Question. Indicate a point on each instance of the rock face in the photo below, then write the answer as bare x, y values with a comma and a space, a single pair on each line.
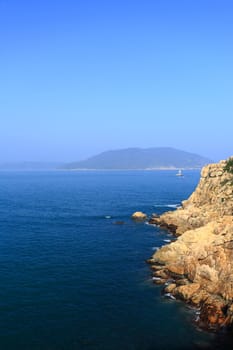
199, 263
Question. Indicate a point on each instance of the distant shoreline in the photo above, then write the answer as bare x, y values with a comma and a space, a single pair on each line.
142, 169
52, 170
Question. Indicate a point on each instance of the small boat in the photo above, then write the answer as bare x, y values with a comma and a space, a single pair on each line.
179, 173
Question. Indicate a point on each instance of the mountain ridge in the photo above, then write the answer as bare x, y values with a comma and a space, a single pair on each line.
135, 158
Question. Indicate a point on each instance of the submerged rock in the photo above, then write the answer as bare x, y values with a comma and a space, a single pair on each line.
119, 222
202, 256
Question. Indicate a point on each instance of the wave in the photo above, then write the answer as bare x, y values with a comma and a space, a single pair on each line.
173, 205
170, 296
167, 205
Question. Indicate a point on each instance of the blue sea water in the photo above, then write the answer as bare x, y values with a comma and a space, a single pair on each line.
72, 278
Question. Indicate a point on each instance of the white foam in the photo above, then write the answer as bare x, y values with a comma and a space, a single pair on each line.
155, 248
167, 240
173, 205
167, 205
169, 295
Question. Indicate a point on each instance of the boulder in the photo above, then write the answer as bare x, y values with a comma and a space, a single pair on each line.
139, 216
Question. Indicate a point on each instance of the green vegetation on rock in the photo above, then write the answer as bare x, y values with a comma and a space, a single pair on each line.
229, 166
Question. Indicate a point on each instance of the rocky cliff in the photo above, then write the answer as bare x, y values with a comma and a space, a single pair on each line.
198, 266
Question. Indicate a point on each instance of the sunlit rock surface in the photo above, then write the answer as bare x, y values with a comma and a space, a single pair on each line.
202, 256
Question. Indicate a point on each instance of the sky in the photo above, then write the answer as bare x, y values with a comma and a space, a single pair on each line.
81, 77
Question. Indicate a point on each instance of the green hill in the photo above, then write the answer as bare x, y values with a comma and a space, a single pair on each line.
137, 158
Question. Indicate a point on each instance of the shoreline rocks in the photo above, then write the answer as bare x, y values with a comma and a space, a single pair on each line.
198, 267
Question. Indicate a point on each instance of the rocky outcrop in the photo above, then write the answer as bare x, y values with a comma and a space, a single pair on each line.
198, 266
139, 216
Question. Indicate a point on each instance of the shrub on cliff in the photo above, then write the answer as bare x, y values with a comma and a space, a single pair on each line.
229, 169
229, 166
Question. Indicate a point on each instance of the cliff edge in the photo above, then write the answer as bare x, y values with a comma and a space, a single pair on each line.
198, 266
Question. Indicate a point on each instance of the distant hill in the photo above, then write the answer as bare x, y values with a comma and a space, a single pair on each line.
30, 166
137, 158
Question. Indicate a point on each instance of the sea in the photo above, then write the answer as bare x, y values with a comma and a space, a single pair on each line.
72, 263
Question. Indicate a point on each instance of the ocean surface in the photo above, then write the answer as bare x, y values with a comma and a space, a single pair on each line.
72, 263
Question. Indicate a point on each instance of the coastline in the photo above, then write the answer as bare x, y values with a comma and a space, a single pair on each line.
99, 170
198, 267
139, 169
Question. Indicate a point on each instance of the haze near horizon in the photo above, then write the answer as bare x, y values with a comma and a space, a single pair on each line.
79, 78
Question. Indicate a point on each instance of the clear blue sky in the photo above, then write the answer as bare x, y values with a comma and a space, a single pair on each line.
82, 76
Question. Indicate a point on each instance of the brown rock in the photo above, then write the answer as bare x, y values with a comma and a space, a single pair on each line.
199, 297
201, 259
213, 312
161, 273
139, 216
156, 267
153, 221
182, 282
151, 261
187, 291
159, 281
170, 287
176, 270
